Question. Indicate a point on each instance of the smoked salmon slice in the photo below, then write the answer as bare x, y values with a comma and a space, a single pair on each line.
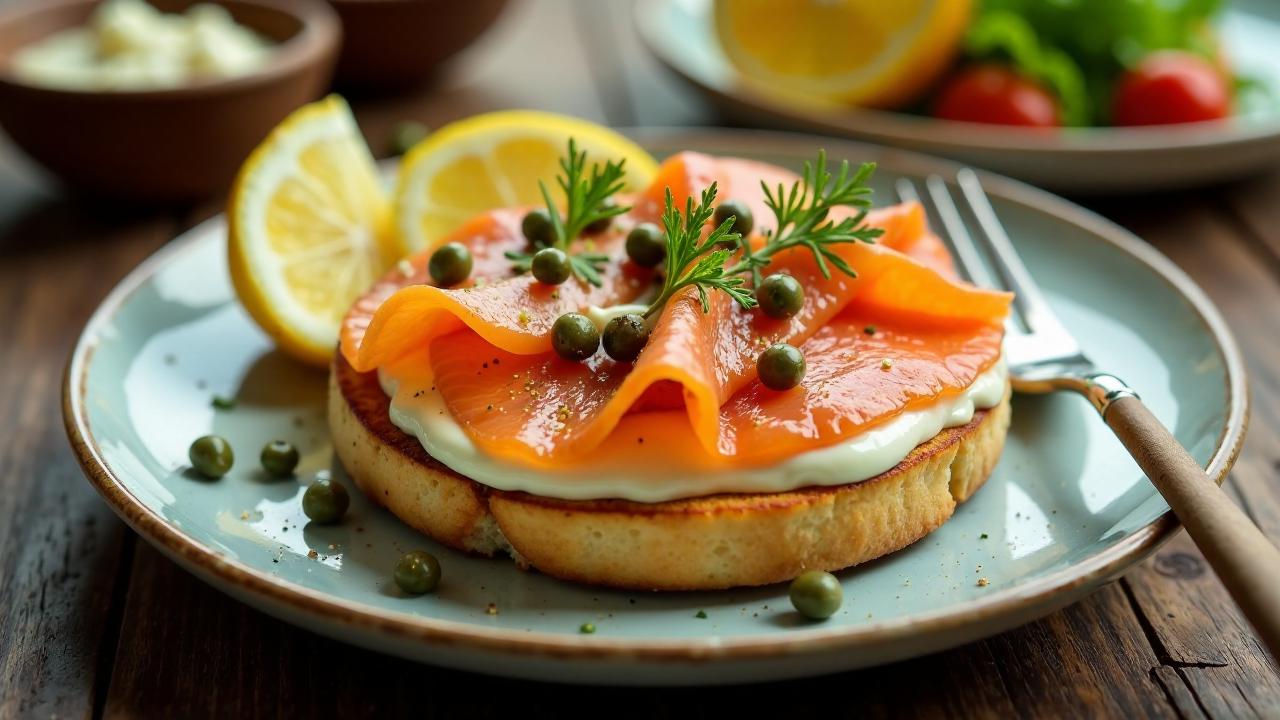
487, 350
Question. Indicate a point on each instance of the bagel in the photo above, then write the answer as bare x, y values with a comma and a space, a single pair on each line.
705, 543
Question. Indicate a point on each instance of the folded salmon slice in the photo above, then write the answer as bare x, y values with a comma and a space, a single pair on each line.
403, 311
488, 346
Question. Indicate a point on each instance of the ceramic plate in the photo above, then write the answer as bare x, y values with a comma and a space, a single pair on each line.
1065, 511
1092, 160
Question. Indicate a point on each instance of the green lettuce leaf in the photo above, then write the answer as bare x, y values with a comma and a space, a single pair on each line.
1011, 38
1078, 48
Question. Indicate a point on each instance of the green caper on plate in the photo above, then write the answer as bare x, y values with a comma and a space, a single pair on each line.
211, 456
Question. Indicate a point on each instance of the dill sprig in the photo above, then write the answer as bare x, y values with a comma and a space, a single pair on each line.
801, 218
586, 202
694, 261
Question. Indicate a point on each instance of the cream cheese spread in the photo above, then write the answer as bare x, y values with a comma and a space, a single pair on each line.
422, 412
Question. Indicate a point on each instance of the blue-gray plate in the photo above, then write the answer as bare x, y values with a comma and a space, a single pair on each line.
1065, 510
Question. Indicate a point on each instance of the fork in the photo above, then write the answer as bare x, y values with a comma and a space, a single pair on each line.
1043, 357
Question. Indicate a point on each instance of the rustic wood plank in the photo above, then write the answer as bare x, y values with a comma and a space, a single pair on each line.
1196, 622
1179, 693
1199, 633
61, 549
1253, 204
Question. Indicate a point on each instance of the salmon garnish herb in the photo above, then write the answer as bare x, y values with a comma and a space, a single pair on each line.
694, 262
802, 217
586, 203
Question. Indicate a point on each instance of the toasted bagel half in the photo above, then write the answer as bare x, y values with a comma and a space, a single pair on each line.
715, 542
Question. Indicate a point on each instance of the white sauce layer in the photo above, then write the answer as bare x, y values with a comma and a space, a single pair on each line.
601, 316
665, 478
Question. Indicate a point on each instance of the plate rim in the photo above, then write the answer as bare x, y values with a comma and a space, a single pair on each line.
1036, 594
936, 133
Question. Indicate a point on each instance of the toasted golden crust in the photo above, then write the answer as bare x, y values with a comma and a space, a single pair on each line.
713, 542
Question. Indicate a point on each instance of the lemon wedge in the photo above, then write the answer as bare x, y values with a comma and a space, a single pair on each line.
861, 52
307, 228
496, 160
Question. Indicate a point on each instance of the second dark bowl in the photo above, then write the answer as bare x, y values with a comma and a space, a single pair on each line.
396, 44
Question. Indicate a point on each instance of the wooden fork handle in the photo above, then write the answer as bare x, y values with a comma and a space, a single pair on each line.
1246, 561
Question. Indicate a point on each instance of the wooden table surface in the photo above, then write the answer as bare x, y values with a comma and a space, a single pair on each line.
94, 621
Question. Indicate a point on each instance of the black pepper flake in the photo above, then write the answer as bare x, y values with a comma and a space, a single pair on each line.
639, 441
485, 366
496, 361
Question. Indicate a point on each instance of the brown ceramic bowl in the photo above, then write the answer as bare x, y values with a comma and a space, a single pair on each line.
396, 44
172, 144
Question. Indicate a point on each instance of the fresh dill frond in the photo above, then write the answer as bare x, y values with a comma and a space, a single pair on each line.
694, 261
587, 266
587, 197
801, 218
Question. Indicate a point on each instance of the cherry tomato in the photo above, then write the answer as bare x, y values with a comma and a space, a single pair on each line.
997, 95
1169, 87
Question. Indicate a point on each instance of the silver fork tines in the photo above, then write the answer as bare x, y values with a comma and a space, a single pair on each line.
1041, 353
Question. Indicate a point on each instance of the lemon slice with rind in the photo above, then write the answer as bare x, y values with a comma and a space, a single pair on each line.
496, 160
307, 228
863, 52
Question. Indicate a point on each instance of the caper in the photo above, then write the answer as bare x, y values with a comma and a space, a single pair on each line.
780, 296
450, 264
325, 501
780, 367
645, 245
574, 337
551, 266
417, 572
625, 336
603, 223
406, 134
211, 456
279, 458
817, 595
743, 220
538, 229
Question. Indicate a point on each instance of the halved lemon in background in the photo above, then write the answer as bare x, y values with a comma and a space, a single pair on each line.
308, 228
496, 160
877, 53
